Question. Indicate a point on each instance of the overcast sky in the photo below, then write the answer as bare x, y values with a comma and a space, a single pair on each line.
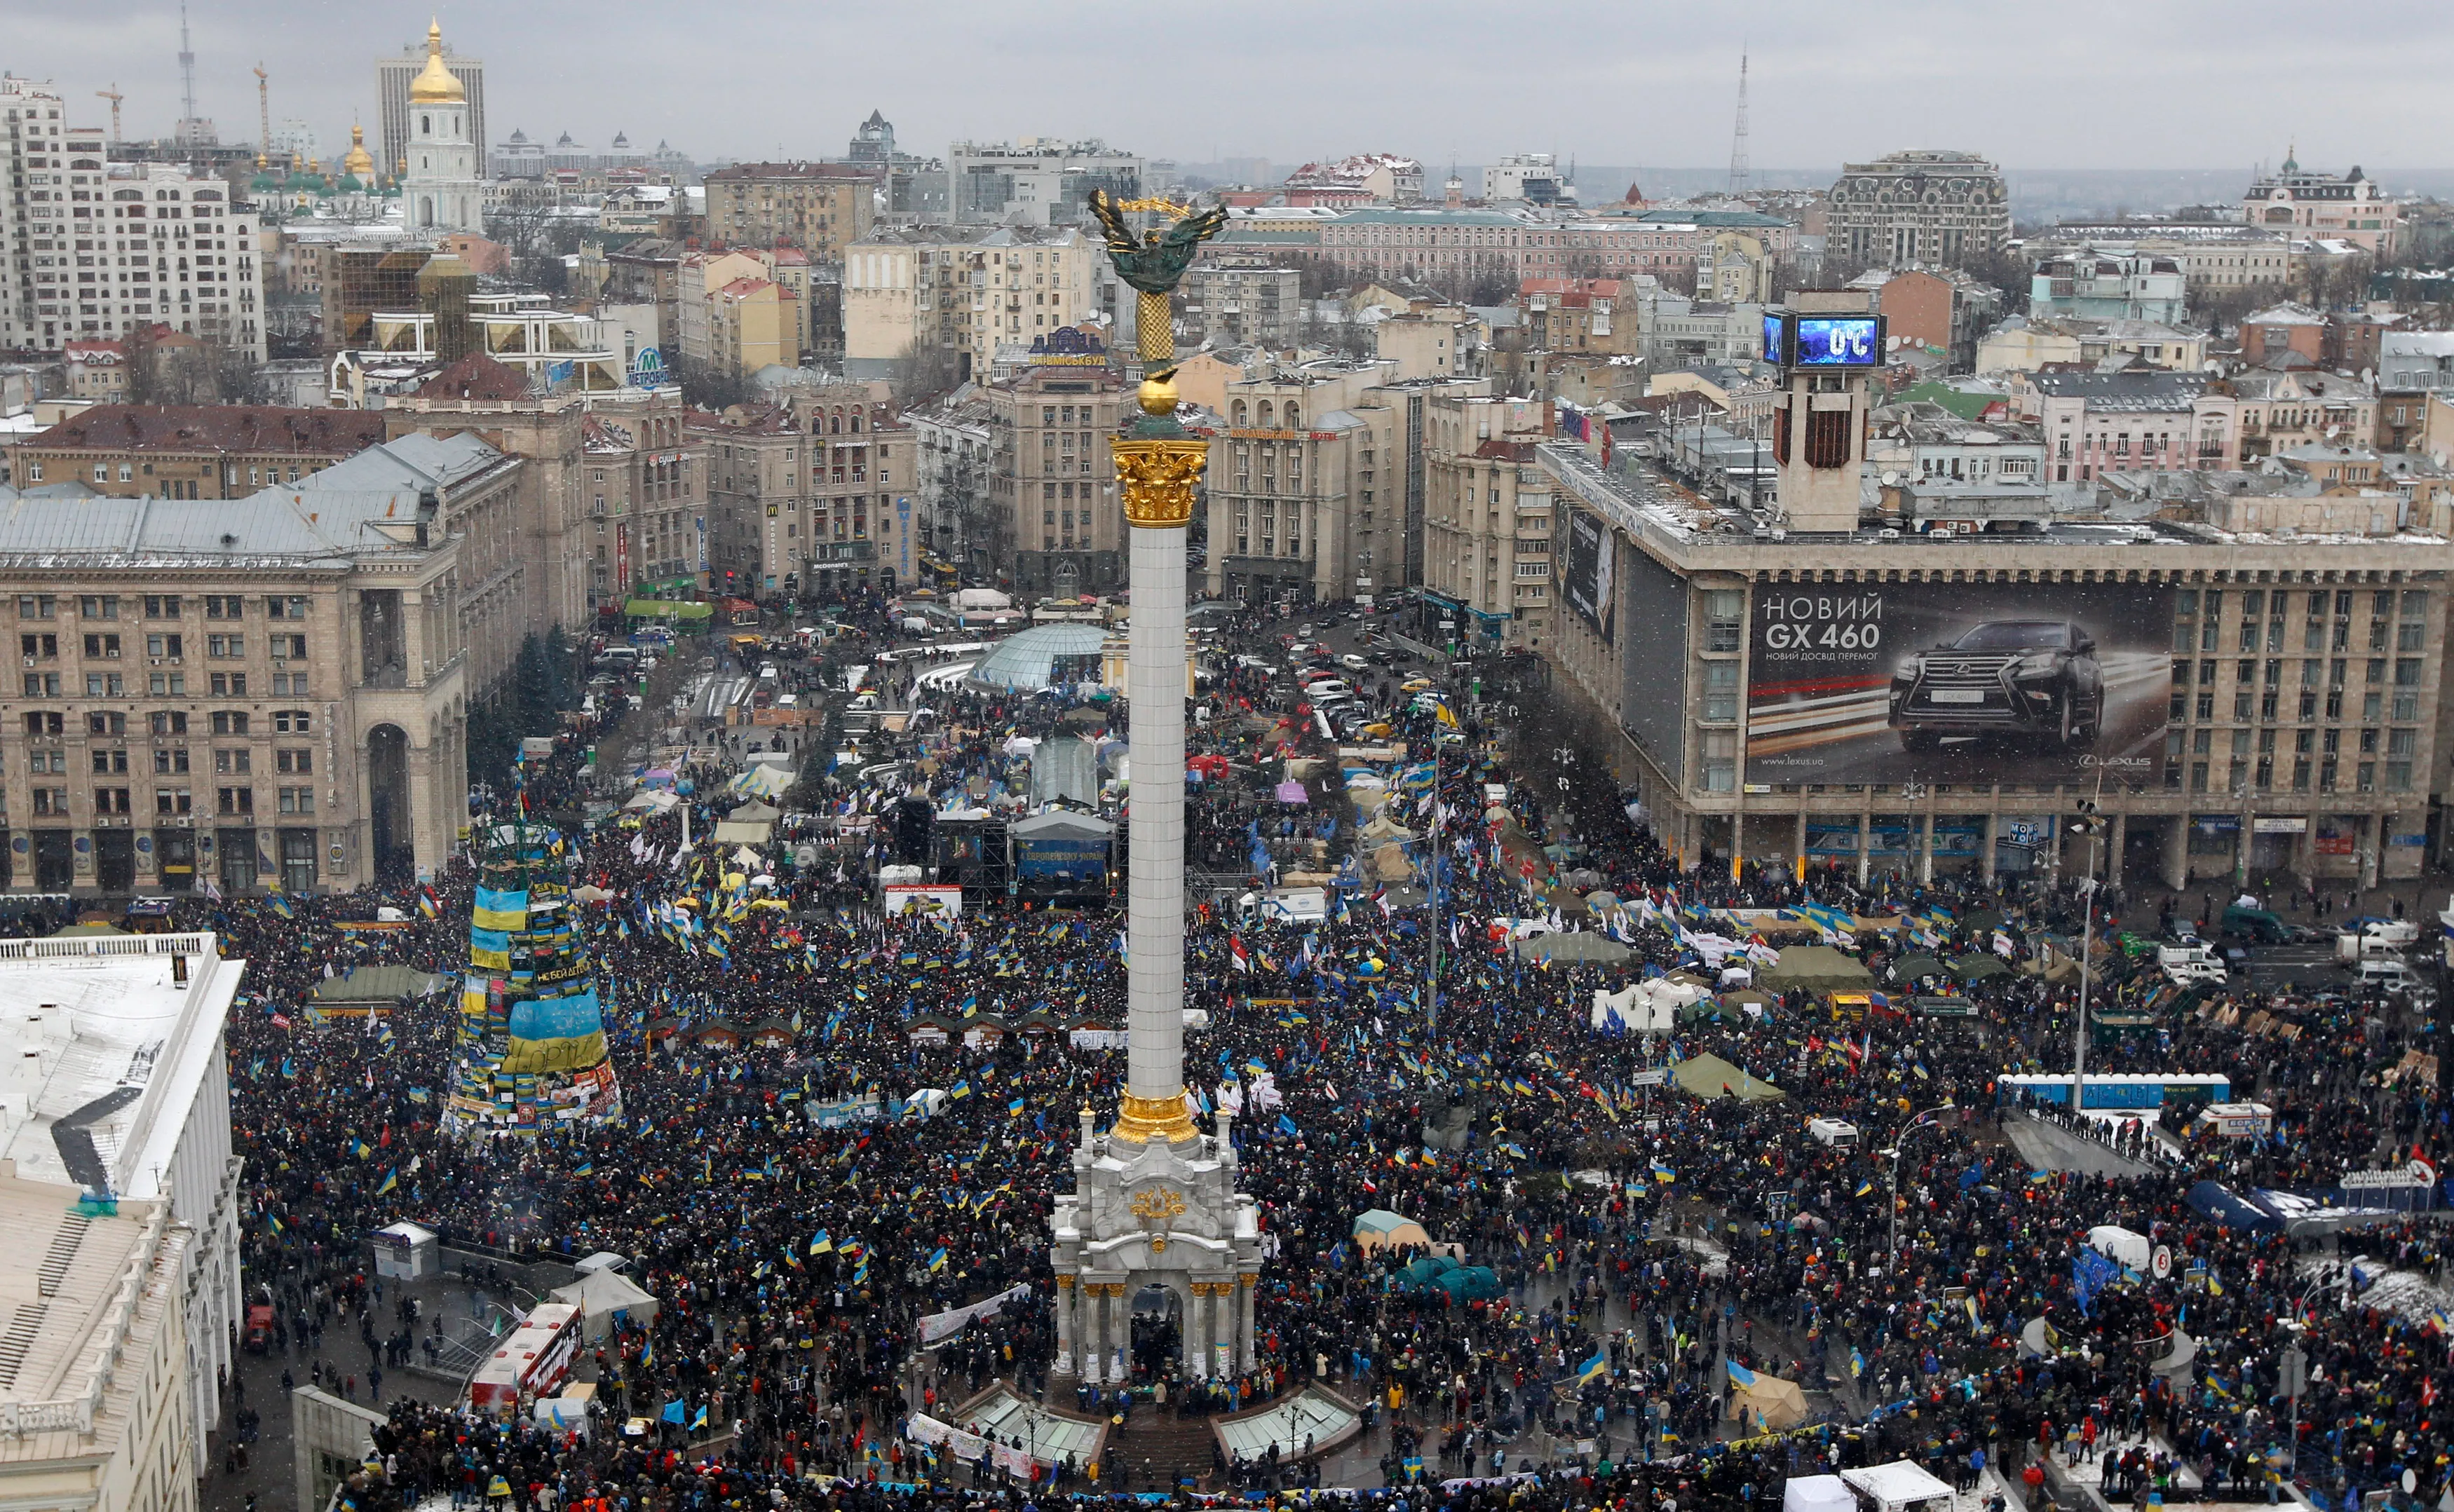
2076, 83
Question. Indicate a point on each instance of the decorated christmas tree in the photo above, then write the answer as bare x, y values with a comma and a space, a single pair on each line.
530, 1051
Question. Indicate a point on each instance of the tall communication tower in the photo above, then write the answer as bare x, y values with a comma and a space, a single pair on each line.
187, 69
1738, 135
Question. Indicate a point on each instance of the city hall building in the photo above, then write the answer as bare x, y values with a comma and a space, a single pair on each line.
2248, 700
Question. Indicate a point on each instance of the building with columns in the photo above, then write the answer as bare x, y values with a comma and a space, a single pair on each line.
226, 692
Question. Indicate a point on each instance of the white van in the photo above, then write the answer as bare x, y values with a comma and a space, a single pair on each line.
2389, 973
2191, 963
1839, 1133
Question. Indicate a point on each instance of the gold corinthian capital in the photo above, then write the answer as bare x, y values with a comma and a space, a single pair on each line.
1157, 478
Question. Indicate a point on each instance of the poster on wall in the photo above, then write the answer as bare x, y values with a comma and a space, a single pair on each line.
936, 903
1958, 682
1587, 575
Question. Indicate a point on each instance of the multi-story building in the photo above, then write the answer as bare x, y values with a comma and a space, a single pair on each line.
32, 115
1489, 564
393, 77
1308, 481
2352, 209
96, 371
84, 1012
1367, 178
2291, 332
751, 323
2242, 420
1675, 332
1036, 180
1918, 207
595, 512
93, 250
820, 208
2217, 257
2023, 344
2111, 284
104, 1413
955, 448
1507, 245
2269, 706
190, 451
814, 498
1241, 301
1052, 484
442, 188
2111, 422
317, 636
1942, 308
1533, 178
962, 293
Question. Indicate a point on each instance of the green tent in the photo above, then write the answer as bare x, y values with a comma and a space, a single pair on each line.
668, 609
1909, 968
1975, 967
1710, 1076
1815, 969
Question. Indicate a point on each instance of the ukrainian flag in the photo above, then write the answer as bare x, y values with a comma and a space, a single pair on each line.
822, 1244
1598, 1365
1663, 1174
938, 1260
500, 908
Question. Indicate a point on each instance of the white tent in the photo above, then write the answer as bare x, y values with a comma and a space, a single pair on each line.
1896, 1487
1817, 1492
601, 1294
1645, 1008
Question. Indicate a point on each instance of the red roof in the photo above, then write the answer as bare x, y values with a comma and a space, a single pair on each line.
216, 427
476, 376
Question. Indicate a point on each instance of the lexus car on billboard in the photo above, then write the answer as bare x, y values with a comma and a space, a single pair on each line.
1957, 682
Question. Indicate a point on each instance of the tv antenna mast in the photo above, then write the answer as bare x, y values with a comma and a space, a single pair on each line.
187, 66
1739, 134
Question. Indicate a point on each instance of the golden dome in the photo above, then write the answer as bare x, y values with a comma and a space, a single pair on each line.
360, 161
434, 84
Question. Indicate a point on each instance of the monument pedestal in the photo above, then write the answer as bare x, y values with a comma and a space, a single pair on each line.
1162, 1214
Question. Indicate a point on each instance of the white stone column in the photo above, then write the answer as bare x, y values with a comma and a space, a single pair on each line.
1244, 1352
1155, 662
1065, 1299
1196, 1332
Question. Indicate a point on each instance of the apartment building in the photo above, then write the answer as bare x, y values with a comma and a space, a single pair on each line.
1240, 301
2025, 345
572, 557
93, 250
2352, 208
2103, 422
1506, 245
2242, 420
1052, 484
1039, 181
2216, 256
954, 445
813, 498
190, 451
820, 208
231, 691
2111, 284
963, 293
1488, 525
1942, 207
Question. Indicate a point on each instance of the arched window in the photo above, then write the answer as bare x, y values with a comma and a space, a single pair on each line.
426, 126
856, 422
1295, 418
1267, 413
835, 424
1238, 416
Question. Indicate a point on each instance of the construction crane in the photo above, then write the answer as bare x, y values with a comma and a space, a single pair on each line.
263, 114
114, 95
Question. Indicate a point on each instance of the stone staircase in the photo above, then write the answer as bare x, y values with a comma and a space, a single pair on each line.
1158, 1450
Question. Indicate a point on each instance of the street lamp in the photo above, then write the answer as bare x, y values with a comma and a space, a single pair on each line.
1900, 1142
2091, 823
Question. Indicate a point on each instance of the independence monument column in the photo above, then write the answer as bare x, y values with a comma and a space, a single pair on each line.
1155, 1203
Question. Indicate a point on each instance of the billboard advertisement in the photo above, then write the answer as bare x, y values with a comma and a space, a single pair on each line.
1957, 682
1587, 571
